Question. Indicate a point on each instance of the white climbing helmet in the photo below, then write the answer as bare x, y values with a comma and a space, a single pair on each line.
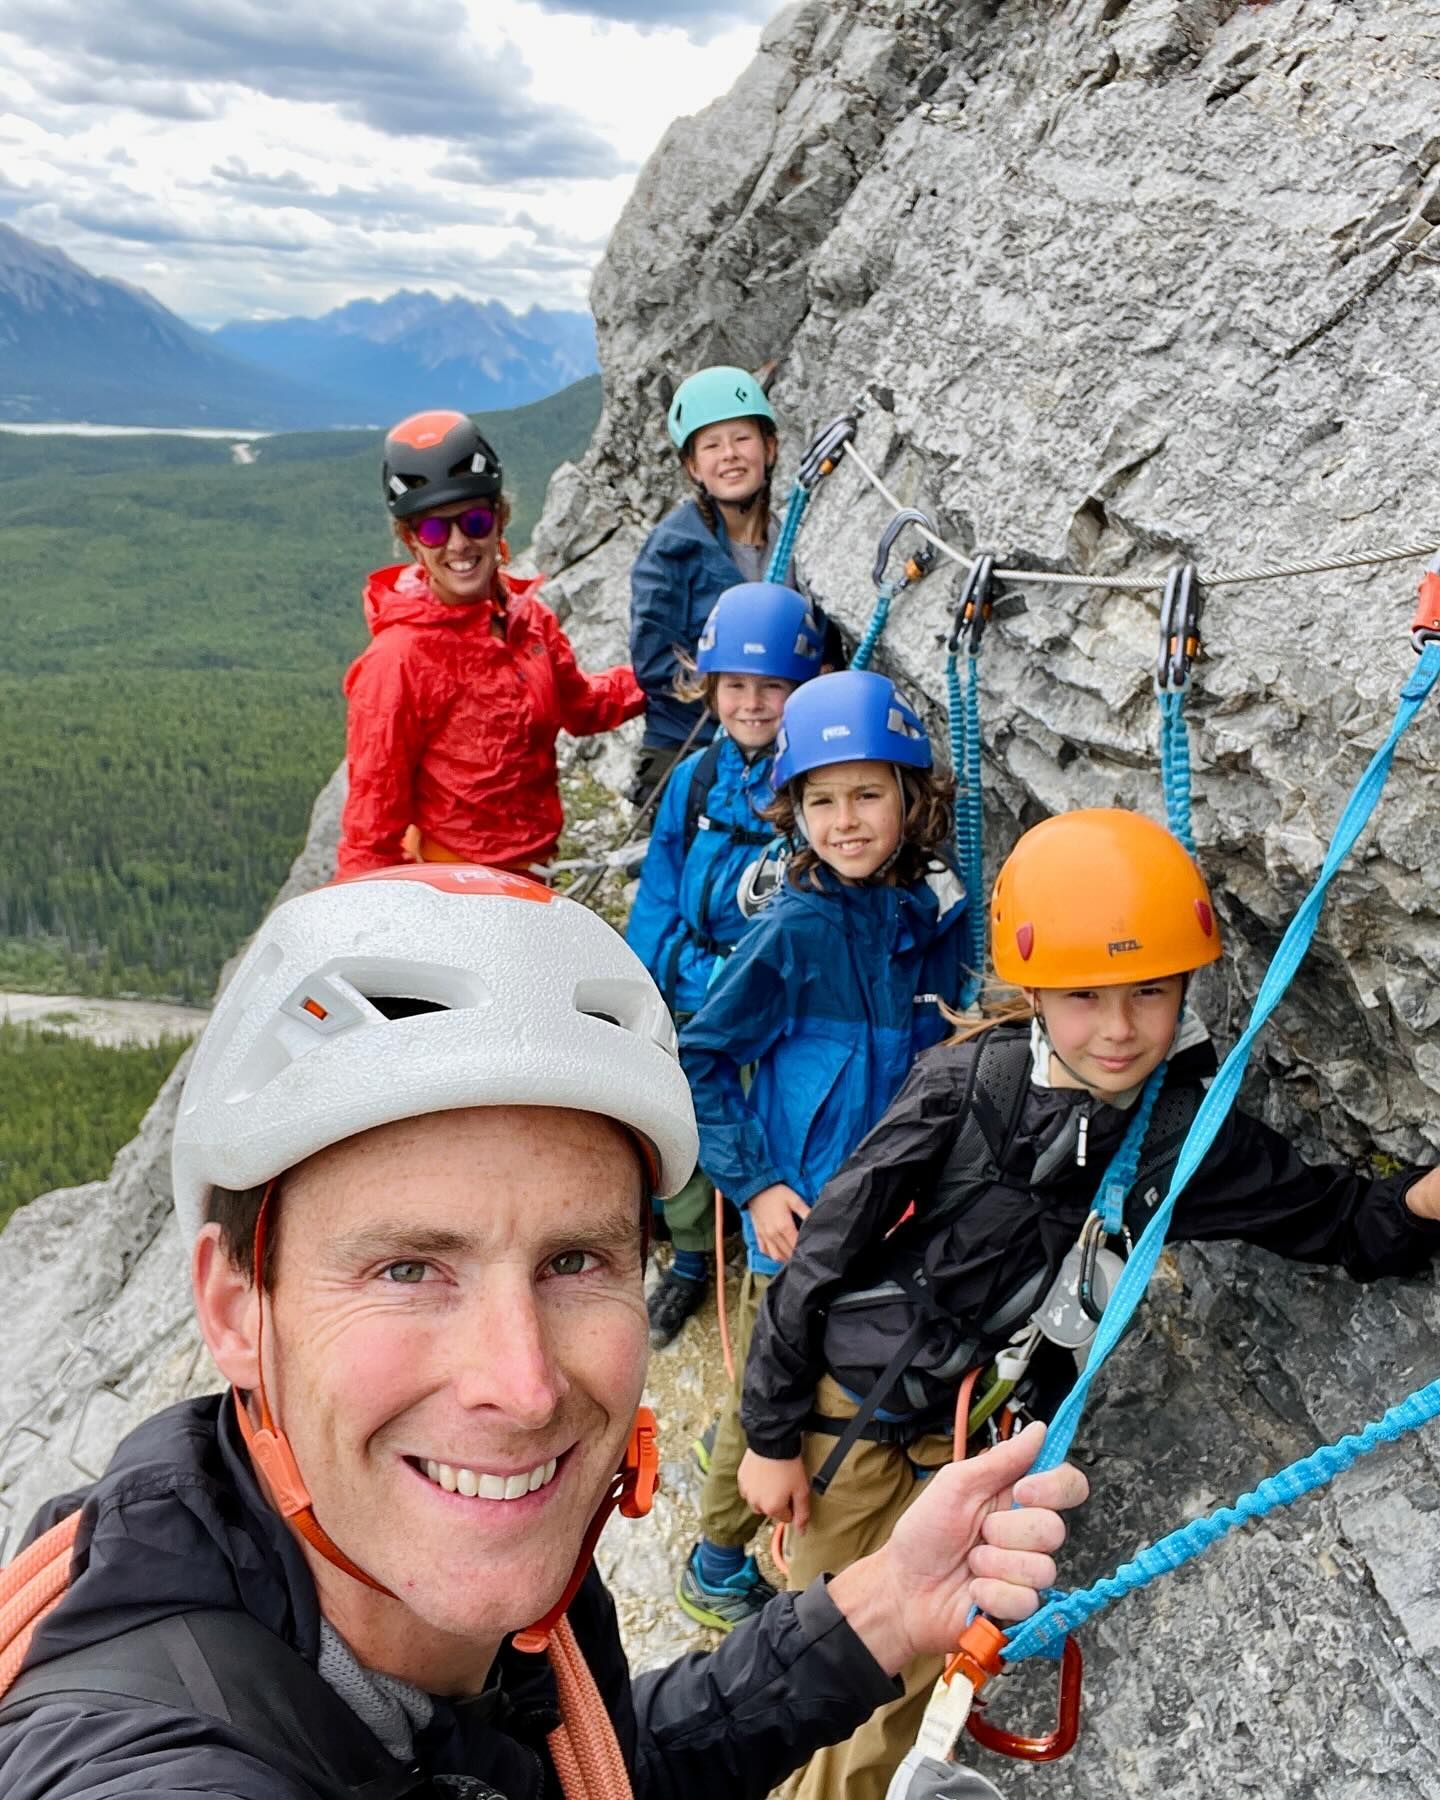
516, 996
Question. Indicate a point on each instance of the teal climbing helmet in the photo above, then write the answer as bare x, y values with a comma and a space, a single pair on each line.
711, 395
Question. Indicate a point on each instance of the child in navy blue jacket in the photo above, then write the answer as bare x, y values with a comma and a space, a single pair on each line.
759, 643
724, 430
828, 1000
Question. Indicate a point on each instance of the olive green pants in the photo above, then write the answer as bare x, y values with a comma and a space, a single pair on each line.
690, 1214
725, 1518
854, 1517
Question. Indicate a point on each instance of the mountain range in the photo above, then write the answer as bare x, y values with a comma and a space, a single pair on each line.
416, 350
77, 346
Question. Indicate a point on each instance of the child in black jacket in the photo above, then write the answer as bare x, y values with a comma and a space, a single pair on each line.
957, 1231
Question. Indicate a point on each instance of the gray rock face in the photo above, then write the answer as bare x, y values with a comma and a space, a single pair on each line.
1120, 285
1119, 282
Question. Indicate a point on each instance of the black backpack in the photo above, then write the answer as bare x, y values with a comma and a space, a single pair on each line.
991, 1110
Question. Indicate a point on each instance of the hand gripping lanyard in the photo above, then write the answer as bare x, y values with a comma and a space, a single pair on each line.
984, 1649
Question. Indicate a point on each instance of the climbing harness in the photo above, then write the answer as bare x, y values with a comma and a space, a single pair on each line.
974, 607
915, 568
1047, 1633
821, 459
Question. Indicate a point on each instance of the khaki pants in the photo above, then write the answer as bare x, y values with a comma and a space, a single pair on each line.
854, 1517
725, 1518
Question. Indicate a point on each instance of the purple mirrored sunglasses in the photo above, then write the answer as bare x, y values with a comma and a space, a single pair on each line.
434, 529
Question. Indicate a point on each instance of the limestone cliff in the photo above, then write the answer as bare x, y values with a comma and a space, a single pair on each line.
1117, 282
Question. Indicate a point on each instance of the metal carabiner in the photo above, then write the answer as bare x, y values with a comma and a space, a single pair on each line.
974, 604
1053, 1744
1179, 627
1092, 1236
919, 563
826, 448
1425, 626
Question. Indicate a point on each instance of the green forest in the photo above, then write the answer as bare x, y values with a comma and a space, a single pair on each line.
174, 626
69, 1105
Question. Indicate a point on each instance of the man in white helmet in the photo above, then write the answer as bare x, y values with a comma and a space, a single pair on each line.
415, 1157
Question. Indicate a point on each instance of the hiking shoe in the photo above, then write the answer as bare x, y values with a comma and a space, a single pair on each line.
669, 1305
703, 1448
727, 1606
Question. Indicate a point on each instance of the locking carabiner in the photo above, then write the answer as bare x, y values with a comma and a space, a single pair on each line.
1179, 627
979, 1657
825, 450
919, 563
1052, 1745
1425, 626
974, 605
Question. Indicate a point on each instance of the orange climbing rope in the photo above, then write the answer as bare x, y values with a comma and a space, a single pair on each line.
29, 1587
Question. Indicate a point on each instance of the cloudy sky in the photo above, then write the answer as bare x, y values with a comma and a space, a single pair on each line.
240, 158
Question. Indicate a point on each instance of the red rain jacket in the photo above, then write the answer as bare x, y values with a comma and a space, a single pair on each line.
452, 729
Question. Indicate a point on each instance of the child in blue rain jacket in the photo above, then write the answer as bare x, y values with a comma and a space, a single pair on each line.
759, 643
724, 431
828, 1000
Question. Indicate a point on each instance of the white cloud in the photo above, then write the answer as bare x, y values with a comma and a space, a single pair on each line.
238, 161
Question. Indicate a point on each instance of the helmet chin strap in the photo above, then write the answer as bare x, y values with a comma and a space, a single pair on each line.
269, 1447
632, 1488
1074, 1074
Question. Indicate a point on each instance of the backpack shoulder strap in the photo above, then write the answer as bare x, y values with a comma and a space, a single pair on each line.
701, 783
227, 1666
989, 1117
1169, 1125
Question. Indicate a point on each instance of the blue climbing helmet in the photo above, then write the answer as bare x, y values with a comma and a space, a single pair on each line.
711, 395
761, 628
854, 715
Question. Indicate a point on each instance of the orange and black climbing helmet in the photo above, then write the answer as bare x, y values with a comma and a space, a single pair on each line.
434, 459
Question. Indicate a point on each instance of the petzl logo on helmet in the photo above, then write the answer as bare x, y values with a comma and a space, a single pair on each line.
754, 649
1122, 945
834, 731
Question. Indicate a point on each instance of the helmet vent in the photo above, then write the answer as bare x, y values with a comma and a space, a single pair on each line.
632, 1006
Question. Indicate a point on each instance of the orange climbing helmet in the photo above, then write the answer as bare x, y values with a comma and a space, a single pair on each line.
1099, 897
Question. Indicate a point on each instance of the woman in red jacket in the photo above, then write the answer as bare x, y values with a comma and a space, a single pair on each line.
456, 702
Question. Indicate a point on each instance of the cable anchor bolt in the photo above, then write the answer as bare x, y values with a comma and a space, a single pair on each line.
826, 448
1425, 626
1180, 640
974, 605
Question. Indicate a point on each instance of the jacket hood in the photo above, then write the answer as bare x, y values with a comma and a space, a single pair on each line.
402, 595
